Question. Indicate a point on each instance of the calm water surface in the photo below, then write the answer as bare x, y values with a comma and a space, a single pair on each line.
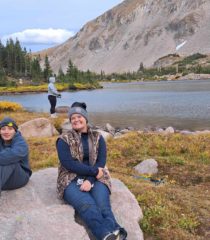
182, 104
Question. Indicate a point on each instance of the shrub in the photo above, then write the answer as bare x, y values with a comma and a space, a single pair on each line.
10, 106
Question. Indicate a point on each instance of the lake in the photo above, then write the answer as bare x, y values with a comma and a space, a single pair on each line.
181, 104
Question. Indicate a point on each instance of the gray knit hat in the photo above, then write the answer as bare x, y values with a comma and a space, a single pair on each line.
7, 121
78, 108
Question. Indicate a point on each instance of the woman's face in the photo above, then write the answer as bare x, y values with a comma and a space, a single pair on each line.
78, 123
7, 133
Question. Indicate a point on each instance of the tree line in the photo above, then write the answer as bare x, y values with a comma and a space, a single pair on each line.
17, 63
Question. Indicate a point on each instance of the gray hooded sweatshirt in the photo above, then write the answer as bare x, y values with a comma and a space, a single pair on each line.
51, 87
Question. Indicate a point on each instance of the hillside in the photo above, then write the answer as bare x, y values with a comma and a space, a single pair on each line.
136, 31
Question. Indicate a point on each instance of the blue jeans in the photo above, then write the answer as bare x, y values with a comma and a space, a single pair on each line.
93, 207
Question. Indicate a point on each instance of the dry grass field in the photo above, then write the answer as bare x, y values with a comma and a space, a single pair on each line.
179, 208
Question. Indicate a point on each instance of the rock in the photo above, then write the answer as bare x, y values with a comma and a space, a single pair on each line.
105, 134
34, 212
38, 127
202, 132
148, 166
66, 125
110, 129
122, 200
186, 132
62, 109
140, 132
124, 131
148, 129
159, 130
130, 128
169, 130
118, 135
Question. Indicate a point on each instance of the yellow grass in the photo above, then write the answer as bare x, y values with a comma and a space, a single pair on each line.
10, 106
30, 88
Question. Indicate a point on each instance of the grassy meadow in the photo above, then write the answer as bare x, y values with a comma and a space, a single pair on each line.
177, 209
44, 87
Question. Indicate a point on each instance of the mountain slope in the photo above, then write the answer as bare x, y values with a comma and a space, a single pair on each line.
137, 31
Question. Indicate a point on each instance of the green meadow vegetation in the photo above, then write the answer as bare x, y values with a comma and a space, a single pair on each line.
43, 88
177, 209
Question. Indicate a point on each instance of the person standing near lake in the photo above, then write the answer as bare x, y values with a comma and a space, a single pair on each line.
14, 163
53, 94
83, 179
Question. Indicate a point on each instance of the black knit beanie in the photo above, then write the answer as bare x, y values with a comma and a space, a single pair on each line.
7, 121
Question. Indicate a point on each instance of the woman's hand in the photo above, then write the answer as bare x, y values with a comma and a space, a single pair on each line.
86, 186
100, 173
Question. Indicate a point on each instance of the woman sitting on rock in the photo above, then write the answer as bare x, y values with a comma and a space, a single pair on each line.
14, 165
83, 180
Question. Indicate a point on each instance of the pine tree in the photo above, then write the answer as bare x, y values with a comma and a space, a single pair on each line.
70, 72
9, 60
18, 59
61, 74
3, 78
47, 69
36, 71
2, 55
70, 68
141, 67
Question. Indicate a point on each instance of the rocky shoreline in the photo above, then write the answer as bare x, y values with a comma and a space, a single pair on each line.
44, 127
115, 132
191, 76
109, 131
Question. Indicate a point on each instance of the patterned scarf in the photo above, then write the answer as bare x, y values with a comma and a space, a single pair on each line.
73, 139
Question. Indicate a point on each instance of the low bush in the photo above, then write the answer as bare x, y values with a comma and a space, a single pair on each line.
10, 106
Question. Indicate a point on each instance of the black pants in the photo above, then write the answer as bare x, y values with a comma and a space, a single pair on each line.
53, 100
12, 176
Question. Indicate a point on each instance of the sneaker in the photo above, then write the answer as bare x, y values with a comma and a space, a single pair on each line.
112, 236
122, 234
117, 234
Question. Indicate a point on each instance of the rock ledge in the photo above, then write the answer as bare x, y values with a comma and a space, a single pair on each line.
34, 212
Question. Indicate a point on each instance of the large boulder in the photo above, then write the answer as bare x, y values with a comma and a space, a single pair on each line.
105, 134
38, 127
62, 109
34, 212
66, 125
169, 130
148, 166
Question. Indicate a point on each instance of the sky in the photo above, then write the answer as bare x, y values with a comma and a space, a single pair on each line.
40, 24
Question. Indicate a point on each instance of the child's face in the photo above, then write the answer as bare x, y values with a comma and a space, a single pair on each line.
7, 133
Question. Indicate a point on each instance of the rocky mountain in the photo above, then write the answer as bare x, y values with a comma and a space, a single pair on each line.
136, 31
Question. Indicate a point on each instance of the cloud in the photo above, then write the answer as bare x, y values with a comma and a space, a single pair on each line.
40, 36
